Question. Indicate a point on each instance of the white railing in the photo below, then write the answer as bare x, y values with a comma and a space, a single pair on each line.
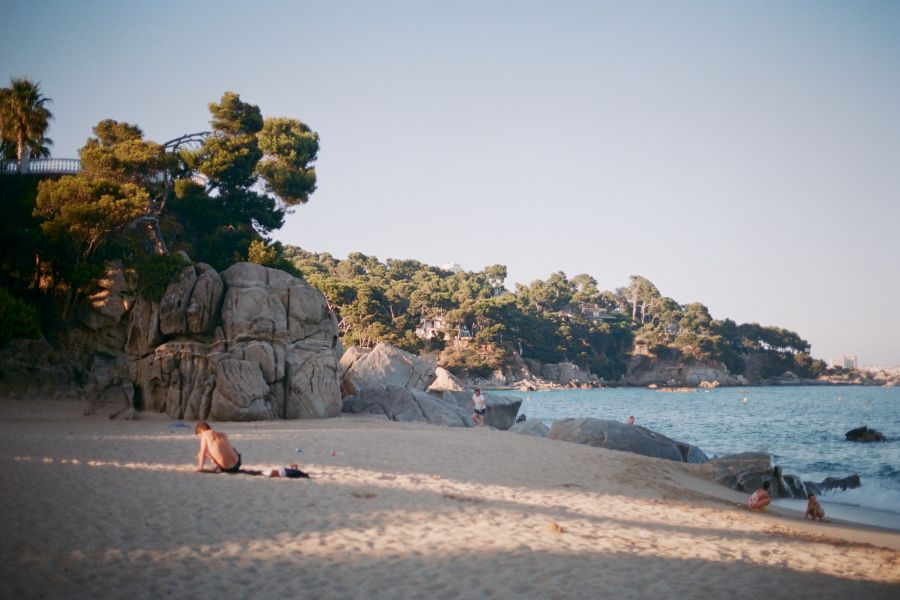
43, 166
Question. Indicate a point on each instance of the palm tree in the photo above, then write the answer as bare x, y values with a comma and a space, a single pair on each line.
24, 119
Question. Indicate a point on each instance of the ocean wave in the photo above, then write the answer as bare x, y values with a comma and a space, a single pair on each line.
871, 494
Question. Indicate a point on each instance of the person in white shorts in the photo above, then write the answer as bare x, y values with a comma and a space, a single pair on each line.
480, 408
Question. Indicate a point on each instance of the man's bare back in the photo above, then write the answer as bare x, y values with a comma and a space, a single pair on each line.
215, 446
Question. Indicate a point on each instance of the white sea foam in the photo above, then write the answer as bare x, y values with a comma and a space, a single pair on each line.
871, 494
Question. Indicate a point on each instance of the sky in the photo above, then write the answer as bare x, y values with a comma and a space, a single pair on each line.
745, 155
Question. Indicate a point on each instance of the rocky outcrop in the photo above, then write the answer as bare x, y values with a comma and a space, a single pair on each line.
403, 404
864, 434
626, 438
743, 472
644, 370
533, 427
833, 483
388, 381
386, 366
251, 343
746, 472
501, 409
445, 380
567, 374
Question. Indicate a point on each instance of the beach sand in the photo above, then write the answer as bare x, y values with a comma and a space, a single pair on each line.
94, 508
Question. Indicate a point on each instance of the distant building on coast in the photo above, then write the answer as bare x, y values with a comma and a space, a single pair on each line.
453, 267
591, 312
845, 361
430, 327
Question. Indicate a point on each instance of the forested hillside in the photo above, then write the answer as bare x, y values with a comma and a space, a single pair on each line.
216, 196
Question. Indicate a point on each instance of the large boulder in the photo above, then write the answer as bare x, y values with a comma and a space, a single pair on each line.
864, 434
566, 373
533, 427
403, 404
626, 438
386, 366
830, 483
501, 409
445, 381
251, 343
746, 472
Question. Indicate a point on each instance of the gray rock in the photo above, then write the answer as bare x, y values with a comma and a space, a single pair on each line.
501, 409
536, 428
746, 471
627, 438
402, 404
268, 352
795, 486
841, 483
203, 307
174, 303
864, 434
445, 380
387, 366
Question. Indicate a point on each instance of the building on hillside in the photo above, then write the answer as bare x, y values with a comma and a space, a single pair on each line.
453, 267
430, 326
586, 310
845, 361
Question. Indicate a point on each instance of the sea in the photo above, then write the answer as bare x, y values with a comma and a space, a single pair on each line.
802, 427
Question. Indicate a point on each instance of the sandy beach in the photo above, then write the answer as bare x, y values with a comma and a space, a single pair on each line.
94, 508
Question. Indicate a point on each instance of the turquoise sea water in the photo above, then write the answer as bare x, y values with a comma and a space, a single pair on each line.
803, 427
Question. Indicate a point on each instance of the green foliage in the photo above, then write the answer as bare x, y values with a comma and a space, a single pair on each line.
86, 211
155, 272
18, 319
289, 147
120, 153
24, 119
477, 360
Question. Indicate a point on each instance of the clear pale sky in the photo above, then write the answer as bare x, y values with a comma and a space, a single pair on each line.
741, 154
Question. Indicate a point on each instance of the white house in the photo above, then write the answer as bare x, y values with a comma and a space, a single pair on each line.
429, 327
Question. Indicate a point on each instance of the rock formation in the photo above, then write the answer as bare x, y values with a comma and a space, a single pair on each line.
501, 409
253, 343
391, 382
644, 370
404, 404
385, 366
249, 343
533, 427
744, 471
864, 434
626, 438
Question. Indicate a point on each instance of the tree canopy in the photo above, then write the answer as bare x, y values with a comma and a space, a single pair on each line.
24, 118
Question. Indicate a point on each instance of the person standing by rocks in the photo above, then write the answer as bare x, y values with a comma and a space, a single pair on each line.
631, 420
480, 408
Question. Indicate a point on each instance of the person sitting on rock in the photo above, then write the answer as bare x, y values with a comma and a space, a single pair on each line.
631, 420
215, 446
760, 499
480, 408
814, 509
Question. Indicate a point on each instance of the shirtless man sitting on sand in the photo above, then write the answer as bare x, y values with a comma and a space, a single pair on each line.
215, 446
